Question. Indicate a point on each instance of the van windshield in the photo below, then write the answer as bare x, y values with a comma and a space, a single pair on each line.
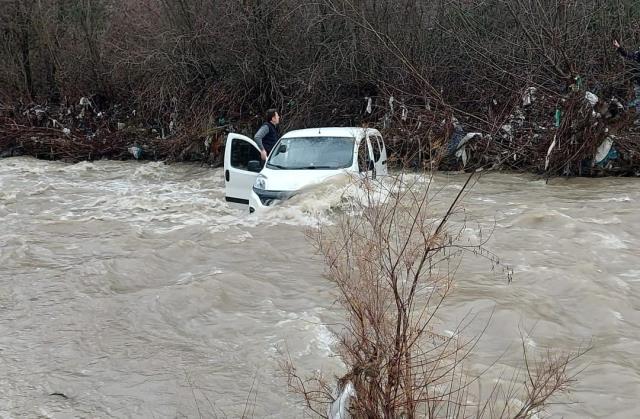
312, 153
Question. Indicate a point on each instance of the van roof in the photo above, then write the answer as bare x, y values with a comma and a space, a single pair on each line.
331, 132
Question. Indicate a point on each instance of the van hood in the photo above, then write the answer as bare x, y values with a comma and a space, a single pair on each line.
298, 180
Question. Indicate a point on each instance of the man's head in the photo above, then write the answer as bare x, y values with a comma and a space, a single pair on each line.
272, 116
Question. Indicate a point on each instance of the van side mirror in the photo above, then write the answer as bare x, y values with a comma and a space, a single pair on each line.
254, 166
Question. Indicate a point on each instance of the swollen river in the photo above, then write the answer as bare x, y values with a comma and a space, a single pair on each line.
131, 290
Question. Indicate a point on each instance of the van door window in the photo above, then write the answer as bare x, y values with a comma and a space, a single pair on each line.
241, 153
363, 156
375, 145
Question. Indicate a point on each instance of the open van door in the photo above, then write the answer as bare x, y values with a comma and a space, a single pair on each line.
242, 164
366, 165
379, 152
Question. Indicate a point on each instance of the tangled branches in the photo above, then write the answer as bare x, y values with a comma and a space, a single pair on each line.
392, 263
75, 135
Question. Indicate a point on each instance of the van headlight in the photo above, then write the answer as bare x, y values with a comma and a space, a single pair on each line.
261, 182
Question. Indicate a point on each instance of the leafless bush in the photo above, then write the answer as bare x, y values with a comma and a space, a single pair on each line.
393, 264
203, 61
297, 54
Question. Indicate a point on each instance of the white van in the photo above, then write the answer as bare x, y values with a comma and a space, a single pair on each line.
299, 159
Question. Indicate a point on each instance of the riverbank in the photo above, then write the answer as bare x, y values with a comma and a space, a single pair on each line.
87, 131
546, 89
576, 134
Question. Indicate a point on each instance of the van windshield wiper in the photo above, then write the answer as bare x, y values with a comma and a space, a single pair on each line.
277, 166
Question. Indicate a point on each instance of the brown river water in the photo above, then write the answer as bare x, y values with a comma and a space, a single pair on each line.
131, 290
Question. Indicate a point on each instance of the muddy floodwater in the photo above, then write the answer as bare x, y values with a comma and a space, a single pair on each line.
132, 290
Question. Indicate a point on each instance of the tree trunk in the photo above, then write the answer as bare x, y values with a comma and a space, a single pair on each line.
24, 23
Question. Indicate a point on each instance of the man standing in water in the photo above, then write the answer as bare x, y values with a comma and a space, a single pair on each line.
635, 57
267, 136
